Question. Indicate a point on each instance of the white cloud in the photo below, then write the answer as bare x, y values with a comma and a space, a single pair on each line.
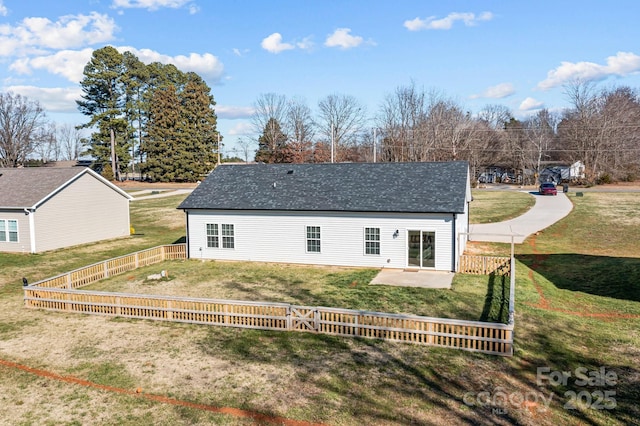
70, 63
151, 4
233, 112
51, 99
3, 9
33, 35
622, 64
342, 39
529, 103
432, 23
305, 44
67, 63
242, 129
498, 91
274, 44
206, 64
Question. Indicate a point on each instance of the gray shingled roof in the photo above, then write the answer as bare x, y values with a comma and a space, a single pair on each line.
26, 187
359, 187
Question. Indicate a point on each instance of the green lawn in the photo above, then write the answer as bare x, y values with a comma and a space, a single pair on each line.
495, 206
472, 297
577, 311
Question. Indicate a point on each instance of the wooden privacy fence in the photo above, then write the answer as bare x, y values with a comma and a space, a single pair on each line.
484, 265
491, 338
98, 271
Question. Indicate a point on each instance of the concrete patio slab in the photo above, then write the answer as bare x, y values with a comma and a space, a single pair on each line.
413, 278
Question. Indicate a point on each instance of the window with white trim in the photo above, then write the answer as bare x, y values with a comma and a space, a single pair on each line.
8, 231
371, 240
217, 232
213, 238
228, 238
313, 239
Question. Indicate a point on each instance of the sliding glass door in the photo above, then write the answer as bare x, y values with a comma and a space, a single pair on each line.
421, 249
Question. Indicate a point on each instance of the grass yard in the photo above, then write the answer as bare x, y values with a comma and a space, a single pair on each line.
577, 311
490, 206
477, 298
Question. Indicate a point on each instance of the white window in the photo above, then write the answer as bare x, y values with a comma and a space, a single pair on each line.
228, 238
215, 231
8, 231
313, 239
213, 239
371, 240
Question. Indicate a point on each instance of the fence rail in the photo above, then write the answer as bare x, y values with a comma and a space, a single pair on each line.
98, 271
476, 336
60, 293
484, 265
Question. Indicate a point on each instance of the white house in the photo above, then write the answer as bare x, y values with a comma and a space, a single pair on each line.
46, 208
391, 215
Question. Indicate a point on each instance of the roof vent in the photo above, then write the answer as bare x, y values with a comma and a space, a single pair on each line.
290, 172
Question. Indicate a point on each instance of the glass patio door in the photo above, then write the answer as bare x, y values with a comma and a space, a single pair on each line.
421, 249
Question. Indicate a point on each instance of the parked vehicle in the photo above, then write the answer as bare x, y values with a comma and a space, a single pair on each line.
548, 188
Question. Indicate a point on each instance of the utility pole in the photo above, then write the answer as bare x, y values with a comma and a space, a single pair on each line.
218, 149
332, 148
374, 143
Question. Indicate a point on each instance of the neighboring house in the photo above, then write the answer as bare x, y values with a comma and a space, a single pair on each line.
392, 215
562, 173
46, 208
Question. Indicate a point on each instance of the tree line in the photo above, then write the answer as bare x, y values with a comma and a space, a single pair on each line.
601, 129
161, 122
154, 112
155, 116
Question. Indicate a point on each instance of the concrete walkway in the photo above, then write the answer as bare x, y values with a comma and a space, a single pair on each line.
148, 193
547, 210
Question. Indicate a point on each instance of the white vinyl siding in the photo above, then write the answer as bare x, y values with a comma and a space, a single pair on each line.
277, 236
21, 234
372, 241
86, 210
8, 231
313, 239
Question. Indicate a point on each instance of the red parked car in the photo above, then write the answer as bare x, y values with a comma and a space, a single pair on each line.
548, 188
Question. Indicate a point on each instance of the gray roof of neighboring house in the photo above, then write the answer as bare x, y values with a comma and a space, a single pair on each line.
27, 187
438, 187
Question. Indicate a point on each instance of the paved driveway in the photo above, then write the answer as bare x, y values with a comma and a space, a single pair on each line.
547, 210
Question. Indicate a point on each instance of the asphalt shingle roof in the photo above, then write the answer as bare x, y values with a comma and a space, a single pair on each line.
438, 187
25, 187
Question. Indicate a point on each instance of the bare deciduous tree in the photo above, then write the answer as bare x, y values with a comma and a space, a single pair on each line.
341, 120
270, 113
69, 142
402, 119
21, 121
299, 124
46, 145
540, 131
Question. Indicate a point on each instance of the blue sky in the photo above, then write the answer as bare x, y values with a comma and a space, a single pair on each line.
516, 53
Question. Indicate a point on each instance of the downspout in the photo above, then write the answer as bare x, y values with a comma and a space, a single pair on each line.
455, 247
32, 229
186, 212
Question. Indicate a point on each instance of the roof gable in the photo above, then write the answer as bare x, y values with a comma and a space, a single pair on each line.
437, 187
29, 187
